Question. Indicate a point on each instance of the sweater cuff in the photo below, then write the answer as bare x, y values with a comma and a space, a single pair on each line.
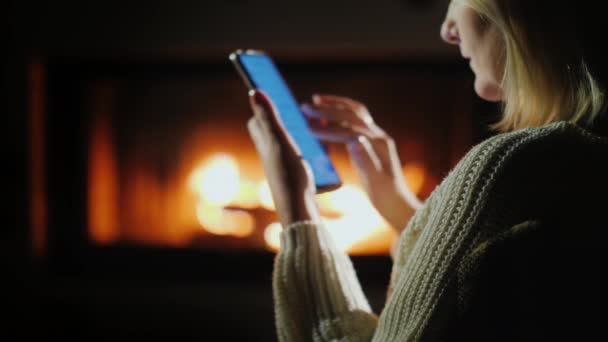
320, 261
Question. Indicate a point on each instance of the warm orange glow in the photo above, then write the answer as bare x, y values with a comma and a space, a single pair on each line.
102, 178
220, 221
272, 235
247, 196
357, 223
346, 199
217, 184
219, 196
415, 175
265, 196
359, 219
217, 181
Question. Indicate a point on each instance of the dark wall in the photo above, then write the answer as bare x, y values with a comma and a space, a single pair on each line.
399, 28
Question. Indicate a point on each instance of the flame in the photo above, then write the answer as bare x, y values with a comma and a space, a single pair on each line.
272, 235
219, 221
217, 181
102, 180
201, 199
358, 221
346, 199
216, 184
247, 197
265, 196
415, 175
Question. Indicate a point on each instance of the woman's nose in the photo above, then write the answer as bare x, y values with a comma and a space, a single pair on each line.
449, 32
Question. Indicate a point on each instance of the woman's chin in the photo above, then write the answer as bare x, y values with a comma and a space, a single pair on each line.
488, 91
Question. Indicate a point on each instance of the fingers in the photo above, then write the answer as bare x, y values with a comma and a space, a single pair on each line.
269, 123
264, 109
342, 111
257, 134
343, 104
387, 151
371, 157
377, 146
366, 163
338, 132
330, 113
338, 101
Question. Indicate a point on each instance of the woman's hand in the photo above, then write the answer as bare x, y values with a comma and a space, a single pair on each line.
373, 152
289, 176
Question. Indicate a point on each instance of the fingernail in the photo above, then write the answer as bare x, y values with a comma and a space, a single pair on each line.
316, 98
261, 99
257, 98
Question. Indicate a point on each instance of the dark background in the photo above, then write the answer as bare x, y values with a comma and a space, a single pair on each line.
141, 293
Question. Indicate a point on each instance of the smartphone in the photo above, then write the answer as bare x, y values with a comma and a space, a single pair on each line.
258, 71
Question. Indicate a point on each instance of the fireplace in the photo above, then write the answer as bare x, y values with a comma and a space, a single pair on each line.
143, 171
157, 155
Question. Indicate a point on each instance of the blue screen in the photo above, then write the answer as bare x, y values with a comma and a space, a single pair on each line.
265, 76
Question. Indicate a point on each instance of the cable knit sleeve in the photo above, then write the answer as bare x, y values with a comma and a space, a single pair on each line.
318, 297
316, 291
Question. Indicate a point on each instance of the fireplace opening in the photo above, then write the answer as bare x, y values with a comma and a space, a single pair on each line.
156, 156
169, 161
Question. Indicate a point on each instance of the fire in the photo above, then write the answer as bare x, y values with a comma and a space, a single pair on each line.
348, 215
220, 221
216, 184
272, 235
217, 181
414, 175
226, 196
357, 220
103, 180
265, 196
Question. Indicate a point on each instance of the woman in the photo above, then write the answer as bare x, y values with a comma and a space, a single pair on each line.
509, 195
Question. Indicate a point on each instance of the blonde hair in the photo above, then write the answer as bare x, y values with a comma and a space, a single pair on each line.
546, 78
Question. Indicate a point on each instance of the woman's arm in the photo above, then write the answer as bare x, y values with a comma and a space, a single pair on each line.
316, 291
318, 297
373, 153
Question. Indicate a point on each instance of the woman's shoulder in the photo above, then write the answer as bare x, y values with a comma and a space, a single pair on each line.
523, 157
537, 143
529, 153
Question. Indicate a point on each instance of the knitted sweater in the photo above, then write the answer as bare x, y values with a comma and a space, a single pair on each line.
502, 188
